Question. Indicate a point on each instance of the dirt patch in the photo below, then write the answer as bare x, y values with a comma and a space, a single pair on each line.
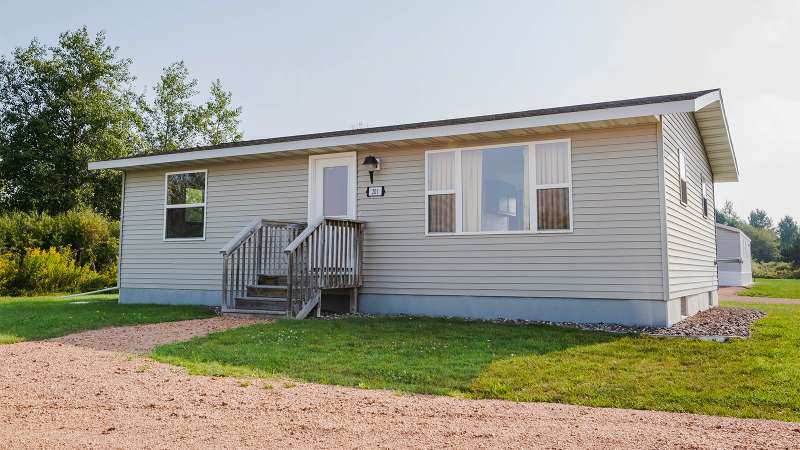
143, 338
68, 394
731, 294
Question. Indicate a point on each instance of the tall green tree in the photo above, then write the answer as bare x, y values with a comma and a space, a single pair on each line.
727, 215
61, 107
171, 120
759, 219
788, 235
219, 119
763, 242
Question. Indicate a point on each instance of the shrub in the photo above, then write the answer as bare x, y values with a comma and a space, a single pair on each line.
52, 270
93, 238
8, 271
19, 231
775, 269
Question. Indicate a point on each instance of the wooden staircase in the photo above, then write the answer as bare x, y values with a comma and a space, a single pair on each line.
268, 297
280, 269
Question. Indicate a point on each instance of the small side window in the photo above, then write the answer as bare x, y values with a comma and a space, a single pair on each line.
185, 205
705, 199
684, 188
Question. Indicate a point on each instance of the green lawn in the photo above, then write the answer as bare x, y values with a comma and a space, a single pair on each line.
759, 377
34, 318
773, 288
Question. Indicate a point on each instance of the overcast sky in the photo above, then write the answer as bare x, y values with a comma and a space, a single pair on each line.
299, 67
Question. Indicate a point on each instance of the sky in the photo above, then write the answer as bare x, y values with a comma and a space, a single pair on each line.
298, 67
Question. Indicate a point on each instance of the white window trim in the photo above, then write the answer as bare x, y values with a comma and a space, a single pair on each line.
705, 190
186, 205
683, 177
532, 207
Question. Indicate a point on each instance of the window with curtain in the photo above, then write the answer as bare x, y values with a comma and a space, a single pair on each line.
553, 186
497, 189
185, 205
441, 192
684, 188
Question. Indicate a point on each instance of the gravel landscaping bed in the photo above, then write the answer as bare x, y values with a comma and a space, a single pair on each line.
716, 322
728, 322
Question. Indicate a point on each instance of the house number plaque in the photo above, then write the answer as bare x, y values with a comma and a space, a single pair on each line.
376, 191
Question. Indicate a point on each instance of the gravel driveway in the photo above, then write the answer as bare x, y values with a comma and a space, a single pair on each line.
75, 392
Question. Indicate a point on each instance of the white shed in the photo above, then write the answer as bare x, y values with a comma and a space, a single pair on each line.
733, 255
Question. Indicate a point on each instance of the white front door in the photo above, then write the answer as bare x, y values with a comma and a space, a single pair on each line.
332, 186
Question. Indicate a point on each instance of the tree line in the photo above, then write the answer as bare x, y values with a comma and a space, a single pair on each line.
64, 105
767, 242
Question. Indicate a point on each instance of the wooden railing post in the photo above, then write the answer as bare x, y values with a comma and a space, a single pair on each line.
290, 286
224, 281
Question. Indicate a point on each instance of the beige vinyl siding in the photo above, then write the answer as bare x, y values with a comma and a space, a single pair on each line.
237, 193
614, 251
691, 245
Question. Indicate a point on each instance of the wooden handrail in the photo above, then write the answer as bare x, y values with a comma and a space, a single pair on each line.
251, 228
304, 235
313, 226
240, 236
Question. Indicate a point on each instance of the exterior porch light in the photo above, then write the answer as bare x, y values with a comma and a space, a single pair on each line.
372, 164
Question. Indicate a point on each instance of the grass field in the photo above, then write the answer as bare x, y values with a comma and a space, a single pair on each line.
773, 288
34, 318
757, 377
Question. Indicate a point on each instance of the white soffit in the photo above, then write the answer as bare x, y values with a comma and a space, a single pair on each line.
713, 127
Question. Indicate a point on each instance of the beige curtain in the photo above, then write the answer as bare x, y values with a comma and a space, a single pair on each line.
471, 180
526, 201
553, 211
441, 168
552, 204
441, 213
552, 163
441, 207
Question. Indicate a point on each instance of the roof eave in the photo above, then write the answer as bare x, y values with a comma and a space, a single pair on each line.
424, 132
712, 123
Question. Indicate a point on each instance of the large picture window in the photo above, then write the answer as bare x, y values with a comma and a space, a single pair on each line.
499, 189
185, 205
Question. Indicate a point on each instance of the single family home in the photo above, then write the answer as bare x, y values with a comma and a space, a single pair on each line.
599, 212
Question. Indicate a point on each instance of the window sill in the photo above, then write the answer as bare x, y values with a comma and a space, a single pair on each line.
500, 233
183, 239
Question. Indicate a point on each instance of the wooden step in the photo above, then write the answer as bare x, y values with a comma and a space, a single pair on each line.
280, 280
267, 290
254, 313
262, 303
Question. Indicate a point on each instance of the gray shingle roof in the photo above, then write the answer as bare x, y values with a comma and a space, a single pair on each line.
457, 121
